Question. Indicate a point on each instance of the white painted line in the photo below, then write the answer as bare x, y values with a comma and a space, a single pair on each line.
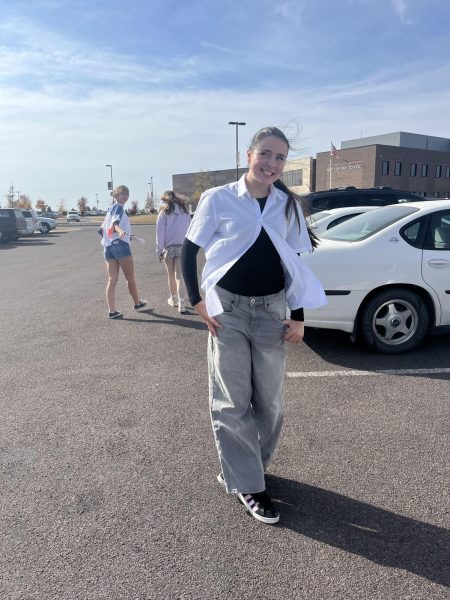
354, 373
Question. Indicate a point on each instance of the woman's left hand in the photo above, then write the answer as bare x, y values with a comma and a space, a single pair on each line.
295, 332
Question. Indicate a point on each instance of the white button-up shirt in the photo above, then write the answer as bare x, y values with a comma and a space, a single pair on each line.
227, 223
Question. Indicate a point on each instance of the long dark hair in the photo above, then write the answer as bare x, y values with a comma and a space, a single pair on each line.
294, 201
171, 199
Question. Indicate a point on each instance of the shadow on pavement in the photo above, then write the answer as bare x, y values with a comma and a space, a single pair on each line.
180, 321
335, 348
376, 534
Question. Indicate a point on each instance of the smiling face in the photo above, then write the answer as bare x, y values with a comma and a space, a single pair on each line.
266, 163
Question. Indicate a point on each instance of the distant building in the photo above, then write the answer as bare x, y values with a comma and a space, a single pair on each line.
299, 175
404, 161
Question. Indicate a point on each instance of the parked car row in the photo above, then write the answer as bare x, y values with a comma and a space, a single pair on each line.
17, 222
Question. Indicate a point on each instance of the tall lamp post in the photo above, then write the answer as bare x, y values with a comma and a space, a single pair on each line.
96, 197
110, 183
237, 123
150, 183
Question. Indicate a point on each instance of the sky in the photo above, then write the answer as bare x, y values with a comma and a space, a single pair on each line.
149, 86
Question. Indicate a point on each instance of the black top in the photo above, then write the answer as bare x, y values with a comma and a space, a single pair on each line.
258, 272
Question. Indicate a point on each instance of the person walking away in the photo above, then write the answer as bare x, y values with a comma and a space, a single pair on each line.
253, 232
116, 236
171, 228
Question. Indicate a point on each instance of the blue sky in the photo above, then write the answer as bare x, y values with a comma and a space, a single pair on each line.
149, 86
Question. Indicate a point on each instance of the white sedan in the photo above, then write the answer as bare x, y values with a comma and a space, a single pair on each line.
386, 274
323, 220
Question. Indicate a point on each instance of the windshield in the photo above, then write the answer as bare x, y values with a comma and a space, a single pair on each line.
317, 216
367, 224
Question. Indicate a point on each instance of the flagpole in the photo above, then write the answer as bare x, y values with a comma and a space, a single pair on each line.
330, 163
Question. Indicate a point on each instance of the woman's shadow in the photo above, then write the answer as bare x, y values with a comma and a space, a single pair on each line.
374, 533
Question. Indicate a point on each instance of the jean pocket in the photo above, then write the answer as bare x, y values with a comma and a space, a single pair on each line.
227, 305
277, 310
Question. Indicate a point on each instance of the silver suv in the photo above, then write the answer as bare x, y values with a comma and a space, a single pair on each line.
31, 220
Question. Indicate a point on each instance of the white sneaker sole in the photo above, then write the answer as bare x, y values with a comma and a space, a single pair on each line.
268, 520
220, 479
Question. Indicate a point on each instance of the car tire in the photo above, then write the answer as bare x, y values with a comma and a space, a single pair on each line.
394, 321
45, 228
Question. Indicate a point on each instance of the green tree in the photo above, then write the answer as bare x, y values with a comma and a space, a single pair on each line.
10, 197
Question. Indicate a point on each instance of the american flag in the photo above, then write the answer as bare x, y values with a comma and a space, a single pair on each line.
333, 151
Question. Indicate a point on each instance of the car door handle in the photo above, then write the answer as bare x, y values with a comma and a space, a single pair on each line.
439, 263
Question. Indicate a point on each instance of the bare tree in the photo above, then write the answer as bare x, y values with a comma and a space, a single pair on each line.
23, 201
61, 207
201, 183
81, 203
134, 208
149, 203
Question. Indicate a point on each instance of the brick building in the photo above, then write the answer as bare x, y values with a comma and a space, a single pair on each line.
404, 161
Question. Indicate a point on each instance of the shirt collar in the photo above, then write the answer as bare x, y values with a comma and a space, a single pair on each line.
242, 190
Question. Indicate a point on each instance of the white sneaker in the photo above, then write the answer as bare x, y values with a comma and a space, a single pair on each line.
172, 301
181, 307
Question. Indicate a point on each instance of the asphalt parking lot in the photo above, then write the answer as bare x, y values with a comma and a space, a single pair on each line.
108, 465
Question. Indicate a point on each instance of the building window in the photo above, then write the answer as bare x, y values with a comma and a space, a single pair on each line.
293, 178
398, 168
447, 172
424, 170
438, 171
436, 194
423, 194
413, 170
385, 167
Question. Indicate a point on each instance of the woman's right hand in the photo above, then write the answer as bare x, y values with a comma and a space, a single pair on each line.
212, 324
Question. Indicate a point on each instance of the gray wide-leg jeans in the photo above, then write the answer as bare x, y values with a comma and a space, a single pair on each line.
246, 364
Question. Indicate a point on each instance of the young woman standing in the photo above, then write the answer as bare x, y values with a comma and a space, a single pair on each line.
252, 231
116, 236
171, 227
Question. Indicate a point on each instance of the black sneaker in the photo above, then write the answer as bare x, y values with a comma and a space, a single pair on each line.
260, 506
140, 305
115, 315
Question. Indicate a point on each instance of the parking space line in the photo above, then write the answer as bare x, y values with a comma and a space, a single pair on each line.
355, 373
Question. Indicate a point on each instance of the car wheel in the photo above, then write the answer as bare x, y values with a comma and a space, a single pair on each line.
394, 321
45, 227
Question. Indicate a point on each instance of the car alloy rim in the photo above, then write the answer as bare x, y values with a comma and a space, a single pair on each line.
395, 322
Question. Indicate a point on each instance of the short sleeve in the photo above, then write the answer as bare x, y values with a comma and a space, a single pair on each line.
116, 213
204, 223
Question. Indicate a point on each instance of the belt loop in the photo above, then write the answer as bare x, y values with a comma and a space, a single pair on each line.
236, 299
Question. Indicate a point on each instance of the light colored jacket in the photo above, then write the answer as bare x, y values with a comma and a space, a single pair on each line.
171, 228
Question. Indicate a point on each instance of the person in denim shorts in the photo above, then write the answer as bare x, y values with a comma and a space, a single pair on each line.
253, 232
116, 236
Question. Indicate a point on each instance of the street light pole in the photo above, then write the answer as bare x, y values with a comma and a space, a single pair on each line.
151, 187
237, 123
110, 183
96, 197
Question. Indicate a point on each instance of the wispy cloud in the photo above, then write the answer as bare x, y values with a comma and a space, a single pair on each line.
401, 8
